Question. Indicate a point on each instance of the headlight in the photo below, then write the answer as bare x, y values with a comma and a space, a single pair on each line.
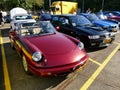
80, 45
112, 33
106, 27
94, 37
37, 56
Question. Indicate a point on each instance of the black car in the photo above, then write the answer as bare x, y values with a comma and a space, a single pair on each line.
81, 28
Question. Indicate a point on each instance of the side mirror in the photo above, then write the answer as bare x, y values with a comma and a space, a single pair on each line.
57, 28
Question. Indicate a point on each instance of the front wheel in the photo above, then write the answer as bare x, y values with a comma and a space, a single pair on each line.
11, 45
25, 65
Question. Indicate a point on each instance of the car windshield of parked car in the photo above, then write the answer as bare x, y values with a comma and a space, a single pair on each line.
92, 17
27, 24
80, 20
23, 17
39, 28
108, 14
116, 13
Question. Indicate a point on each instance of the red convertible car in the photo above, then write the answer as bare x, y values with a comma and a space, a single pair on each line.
45, 51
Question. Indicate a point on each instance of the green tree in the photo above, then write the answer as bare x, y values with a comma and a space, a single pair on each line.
37, 4
27, 4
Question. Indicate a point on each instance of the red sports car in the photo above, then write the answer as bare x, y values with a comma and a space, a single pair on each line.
112, 15
45, 51
117, 18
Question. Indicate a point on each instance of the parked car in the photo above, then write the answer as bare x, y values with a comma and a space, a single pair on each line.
19, 15
21, 18
7, 19
45, 51
80, 27
111, 26
45, 17
112, 15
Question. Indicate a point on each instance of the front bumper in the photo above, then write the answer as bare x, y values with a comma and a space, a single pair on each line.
56, 71
101, 42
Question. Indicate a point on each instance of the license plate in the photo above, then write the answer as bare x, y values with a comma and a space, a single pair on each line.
114, 30
107, 40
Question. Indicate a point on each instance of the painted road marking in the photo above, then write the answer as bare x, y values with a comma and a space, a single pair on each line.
66, 82
116, 43
94, 61
5, 69
97, 72
73, 77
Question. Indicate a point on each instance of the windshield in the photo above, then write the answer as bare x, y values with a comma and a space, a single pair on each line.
116, 13
23, 17
80, 20
92, 17
39, 28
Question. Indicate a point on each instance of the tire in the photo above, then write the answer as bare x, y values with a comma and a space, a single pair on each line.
12, 46
10, 27
25, 65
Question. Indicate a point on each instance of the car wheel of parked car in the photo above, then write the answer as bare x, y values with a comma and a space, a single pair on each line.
10, 27
25, 64
12, 46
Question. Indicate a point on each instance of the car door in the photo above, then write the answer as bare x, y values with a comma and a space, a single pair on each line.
65, 26
14, 38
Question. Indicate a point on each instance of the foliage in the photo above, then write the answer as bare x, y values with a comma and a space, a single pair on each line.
27, 4
38, 4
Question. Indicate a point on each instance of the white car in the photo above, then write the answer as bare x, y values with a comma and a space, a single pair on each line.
19, 15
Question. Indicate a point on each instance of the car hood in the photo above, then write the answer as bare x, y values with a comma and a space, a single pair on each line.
104, 23
51, 44
115, 18
113, 23
92, 30
58, 50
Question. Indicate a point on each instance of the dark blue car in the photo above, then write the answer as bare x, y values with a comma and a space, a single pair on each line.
111, 26
45, 17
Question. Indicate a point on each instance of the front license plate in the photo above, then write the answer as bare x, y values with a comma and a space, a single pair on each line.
107, 40
114, 30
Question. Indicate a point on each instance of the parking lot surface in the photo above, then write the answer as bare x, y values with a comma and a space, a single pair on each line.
100, 73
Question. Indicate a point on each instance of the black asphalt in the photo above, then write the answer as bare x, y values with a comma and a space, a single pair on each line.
2, 85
